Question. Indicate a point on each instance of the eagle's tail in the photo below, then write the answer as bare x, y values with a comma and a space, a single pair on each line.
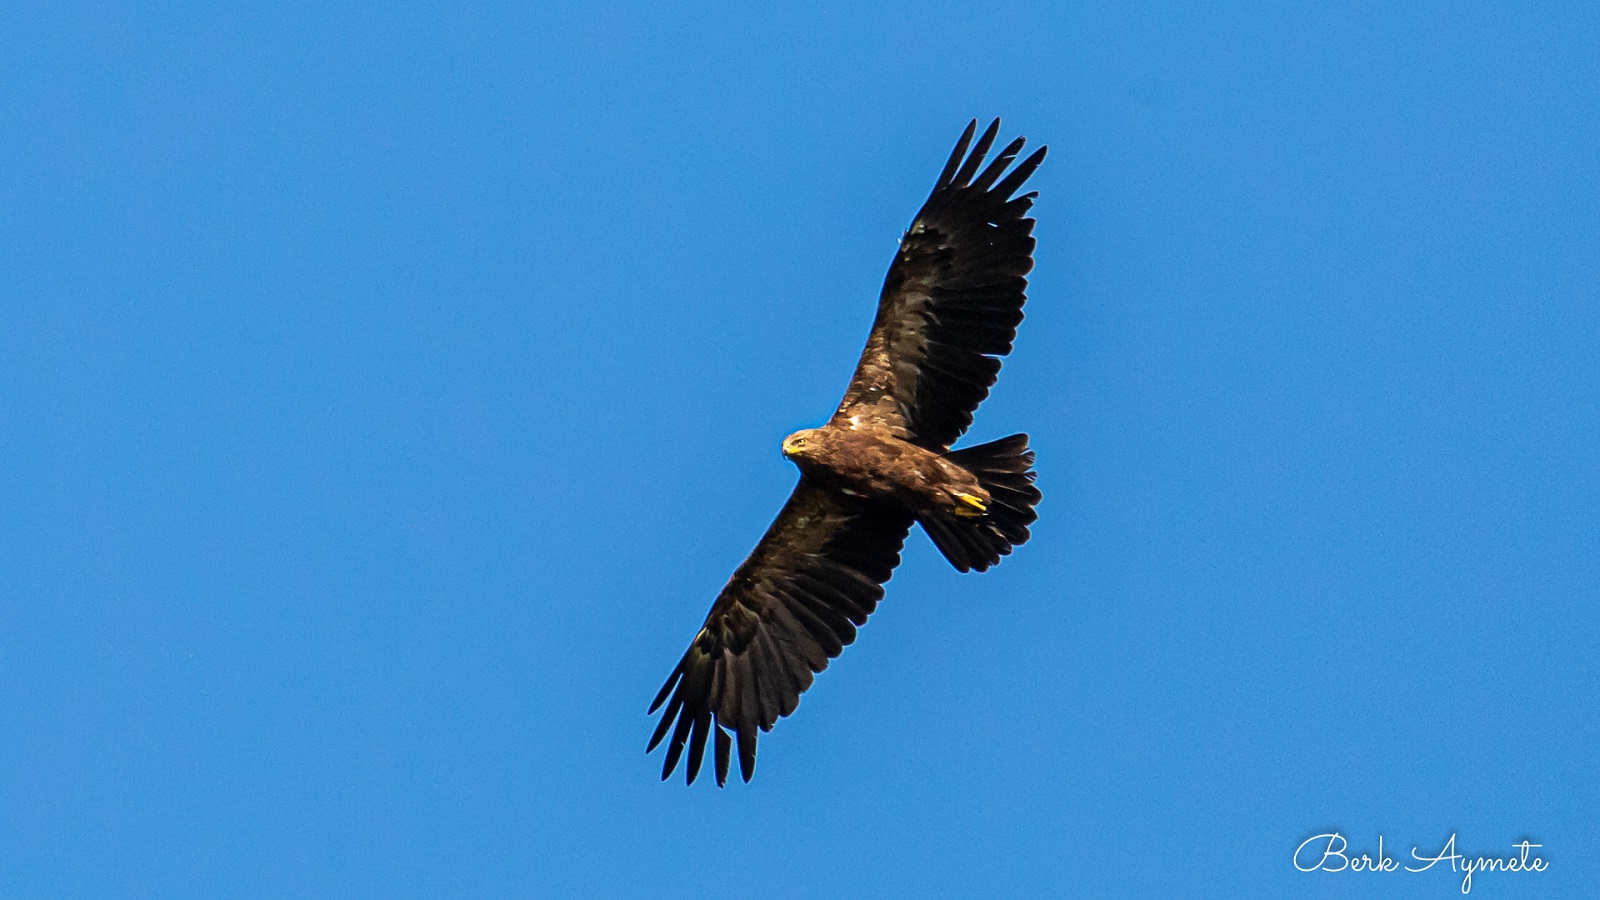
1005, 469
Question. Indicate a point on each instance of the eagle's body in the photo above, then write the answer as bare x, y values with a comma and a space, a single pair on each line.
949, 308
871, 462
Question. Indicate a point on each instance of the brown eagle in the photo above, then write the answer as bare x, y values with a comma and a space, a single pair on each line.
949, 309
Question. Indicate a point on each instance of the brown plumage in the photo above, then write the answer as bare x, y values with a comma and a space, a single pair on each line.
949, 308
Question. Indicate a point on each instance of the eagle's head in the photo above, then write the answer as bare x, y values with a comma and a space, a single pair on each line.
802, 445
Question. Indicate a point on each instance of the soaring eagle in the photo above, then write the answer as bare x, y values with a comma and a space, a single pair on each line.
949, 309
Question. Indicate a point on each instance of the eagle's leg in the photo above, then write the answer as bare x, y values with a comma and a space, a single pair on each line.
970, 507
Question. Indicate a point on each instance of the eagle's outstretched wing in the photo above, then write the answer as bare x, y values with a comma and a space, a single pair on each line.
952, 300
793, 605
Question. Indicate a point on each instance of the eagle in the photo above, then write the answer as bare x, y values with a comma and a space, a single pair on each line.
949, 310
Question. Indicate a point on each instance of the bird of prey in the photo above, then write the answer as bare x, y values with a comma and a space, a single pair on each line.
949, 309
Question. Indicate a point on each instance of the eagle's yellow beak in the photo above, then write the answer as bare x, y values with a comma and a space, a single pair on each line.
789, 446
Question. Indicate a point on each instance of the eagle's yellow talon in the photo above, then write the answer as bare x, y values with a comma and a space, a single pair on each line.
973, 506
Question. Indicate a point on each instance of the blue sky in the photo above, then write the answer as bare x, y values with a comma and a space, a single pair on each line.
389, 389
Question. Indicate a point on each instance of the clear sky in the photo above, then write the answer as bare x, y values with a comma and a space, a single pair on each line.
387, 391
